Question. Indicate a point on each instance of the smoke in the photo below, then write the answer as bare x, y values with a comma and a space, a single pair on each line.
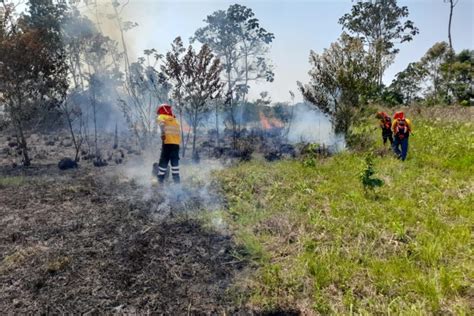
102, 13
312, 126
194, 193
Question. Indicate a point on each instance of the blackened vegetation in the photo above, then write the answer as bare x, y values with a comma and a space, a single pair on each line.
90, 245
67, 163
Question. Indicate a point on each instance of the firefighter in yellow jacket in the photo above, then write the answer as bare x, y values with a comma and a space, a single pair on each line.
402, 128
170, 135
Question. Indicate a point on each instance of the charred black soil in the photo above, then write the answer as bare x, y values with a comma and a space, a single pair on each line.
84, 241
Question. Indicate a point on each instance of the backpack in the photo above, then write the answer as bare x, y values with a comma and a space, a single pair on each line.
387, 123
401, 128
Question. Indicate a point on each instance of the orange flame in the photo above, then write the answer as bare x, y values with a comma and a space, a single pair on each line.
269, 123
264, 121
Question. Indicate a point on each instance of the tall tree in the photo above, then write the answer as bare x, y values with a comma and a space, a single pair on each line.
173, 68
340, 78
407, 83
452, 4
123, 26
380, 24
78, 33
431, 62
33, 71
458, 72
147, 87
199, 76
236, 36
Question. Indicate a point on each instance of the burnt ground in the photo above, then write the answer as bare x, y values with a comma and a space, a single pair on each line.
86, 241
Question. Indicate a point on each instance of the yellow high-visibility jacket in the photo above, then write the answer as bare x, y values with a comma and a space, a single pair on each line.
169, 127
409, 124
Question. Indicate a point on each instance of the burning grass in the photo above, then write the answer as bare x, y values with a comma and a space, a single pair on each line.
322, 245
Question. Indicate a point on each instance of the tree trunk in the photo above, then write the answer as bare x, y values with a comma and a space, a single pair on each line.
194, 133
115, 146
95, 123
24, 147
217, 125
451, 7
232, 110
124, 45
183, 149
22, 143
77, 146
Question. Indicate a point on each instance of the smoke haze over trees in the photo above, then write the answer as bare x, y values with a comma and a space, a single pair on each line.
57, 59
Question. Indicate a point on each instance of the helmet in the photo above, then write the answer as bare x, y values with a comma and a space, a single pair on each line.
164, 109
399, 115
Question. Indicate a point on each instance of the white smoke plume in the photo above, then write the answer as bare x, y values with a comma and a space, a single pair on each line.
312, 126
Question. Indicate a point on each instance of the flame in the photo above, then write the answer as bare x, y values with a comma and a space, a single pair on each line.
264, 121
269, 123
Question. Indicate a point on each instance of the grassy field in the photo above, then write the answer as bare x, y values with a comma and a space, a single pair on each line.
323, 245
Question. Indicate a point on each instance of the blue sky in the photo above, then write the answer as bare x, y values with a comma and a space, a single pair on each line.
298, 26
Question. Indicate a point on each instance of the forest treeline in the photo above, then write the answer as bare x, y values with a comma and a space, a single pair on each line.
58, 68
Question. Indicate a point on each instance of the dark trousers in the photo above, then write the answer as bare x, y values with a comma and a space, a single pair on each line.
169, 153
387, 135
400, 143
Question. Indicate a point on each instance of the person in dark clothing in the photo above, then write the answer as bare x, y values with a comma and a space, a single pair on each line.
386, 126
171, 137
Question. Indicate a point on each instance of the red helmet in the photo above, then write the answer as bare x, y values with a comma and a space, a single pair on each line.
399, 115
165, 109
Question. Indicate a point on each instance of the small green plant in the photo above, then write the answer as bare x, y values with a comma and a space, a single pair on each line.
366, 177
311, 152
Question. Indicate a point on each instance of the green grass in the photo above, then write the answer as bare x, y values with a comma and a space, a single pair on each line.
322, 244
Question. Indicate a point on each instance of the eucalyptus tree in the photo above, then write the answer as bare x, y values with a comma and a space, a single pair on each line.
242, 44
452, 4
381, 24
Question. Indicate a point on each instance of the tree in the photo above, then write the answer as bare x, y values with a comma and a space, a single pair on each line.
431, 62
147, 87
75, 121
78, 33
407, 83
236, 36
340, 78
380, 24
452, 4
103, 78
458, 73
198, 77
173, 68
123, 27
33, 72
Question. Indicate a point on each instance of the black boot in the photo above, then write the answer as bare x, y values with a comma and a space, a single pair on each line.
161, 179
176, 178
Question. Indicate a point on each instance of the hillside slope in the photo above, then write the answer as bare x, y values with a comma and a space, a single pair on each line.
323, 245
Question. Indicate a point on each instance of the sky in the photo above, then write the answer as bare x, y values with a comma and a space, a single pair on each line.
299, 26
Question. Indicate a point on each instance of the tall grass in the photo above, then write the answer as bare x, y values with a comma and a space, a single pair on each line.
322, 245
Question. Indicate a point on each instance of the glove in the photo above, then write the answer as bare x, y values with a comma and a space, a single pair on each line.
163, 137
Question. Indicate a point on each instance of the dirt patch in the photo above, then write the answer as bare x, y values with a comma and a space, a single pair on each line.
82, 241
